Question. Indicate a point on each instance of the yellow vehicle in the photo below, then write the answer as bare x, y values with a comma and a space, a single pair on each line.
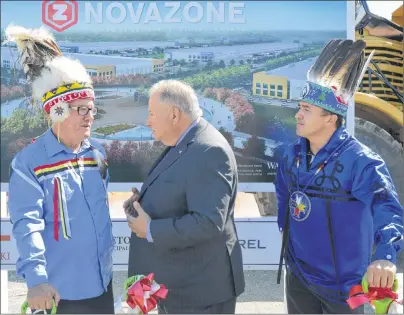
381, 92
379, 110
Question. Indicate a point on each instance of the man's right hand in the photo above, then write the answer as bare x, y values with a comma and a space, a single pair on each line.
41, 297
128, 204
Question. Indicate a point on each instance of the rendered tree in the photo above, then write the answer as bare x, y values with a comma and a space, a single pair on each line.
255, 147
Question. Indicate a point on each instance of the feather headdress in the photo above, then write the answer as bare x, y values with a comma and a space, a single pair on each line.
55, 79
335, 77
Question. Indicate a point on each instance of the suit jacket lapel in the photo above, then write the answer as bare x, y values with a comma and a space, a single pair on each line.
155, 164
169, 157
158, 160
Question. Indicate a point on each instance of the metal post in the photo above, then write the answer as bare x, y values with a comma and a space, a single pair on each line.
285, 305
4, 292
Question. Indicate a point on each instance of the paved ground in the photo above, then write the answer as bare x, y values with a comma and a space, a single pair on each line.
262, 295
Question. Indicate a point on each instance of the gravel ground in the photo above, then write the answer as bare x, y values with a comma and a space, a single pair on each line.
262, 295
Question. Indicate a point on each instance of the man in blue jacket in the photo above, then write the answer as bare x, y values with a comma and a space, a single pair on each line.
58, 200
336, 199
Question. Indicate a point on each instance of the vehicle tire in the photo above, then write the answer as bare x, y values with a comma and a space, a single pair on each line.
390, 150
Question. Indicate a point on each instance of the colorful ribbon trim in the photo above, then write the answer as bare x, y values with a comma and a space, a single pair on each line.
55, 211
44, 171
60, 208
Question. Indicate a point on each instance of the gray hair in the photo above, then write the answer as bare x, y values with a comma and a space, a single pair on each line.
179, 94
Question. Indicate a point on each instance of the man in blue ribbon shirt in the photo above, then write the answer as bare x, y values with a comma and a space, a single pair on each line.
58, 200
336, 199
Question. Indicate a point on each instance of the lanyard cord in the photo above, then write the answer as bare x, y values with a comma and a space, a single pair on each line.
330, 158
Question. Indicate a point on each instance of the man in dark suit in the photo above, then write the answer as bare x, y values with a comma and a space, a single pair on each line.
183, 225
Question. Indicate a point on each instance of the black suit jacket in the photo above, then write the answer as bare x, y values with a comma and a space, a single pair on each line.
190, 198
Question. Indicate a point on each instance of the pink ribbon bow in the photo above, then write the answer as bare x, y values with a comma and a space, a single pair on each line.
141, 292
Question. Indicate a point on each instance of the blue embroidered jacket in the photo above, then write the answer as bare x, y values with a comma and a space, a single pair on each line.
352, 205
58, 205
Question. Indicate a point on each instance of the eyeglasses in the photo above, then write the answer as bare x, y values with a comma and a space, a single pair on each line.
83, 110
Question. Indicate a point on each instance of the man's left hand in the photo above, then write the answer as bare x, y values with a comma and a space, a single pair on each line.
139, 224
128, 204
381, 274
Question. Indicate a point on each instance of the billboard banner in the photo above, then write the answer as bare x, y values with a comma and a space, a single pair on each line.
260, 246
246, 60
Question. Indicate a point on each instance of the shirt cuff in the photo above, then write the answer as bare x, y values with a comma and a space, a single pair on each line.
385, 252
148, 233
36, 276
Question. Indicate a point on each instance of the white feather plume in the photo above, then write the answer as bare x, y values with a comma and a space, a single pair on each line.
42, 60
59, 71
36, 48
17, 34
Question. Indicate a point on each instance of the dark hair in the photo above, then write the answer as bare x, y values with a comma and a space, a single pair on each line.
340, 120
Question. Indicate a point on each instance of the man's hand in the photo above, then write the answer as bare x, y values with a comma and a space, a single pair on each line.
381, 274
139, 224
128, 204
41, 297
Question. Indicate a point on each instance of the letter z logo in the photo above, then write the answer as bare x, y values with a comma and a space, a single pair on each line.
60, 15
60, 12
